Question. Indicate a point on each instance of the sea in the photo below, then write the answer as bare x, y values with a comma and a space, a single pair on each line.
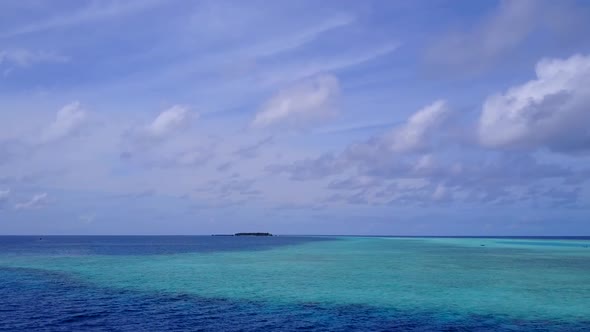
294, 283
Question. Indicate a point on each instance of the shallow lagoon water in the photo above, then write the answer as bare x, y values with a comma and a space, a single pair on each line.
291, 283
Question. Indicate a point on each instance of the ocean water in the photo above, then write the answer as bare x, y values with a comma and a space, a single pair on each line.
287, 283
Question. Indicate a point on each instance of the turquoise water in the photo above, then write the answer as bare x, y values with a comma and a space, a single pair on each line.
452, 279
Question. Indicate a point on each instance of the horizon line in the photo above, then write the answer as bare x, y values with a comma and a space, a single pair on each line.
331, 235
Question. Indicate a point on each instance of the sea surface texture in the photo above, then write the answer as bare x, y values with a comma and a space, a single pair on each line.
294, 283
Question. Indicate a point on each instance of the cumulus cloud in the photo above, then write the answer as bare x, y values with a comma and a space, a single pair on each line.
167, 142
69, 120
411, 164
417, 132
550, 111
379, 154
166, 125
37, 201
169, 121
415, 150
304, 104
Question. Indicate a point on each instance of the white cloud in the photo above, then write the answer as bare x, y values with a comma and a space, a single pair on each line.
551, 111
95, 12
169, 121
295, 70
383, 153
166, 141
26, 58
300, 38
440, 193
415, 134
37, 201
303, 104
69, 119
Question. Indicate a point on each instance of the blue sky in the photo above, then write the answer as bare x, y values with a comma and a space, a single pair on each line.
295, 117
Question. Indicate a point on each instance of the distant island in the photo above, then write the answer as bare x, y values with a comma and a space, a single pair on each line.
244, 234
253, 234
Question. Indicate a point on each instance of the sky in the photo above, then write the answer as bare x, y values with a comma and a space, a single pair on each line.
368, 117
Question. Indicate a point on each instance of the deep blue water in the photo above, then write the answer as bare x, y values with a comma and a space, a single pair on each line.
39, 300
36, 301
143, 245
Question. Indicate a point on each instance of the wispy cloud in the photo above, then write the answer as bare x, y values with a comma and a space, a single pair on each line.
26, 58
299, 38
36, 202
297, 70
250, 151
95, 12
498, 33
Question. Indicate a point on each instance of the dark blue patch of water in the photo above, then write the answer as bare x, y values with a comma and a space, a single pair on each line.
143, 245
45, 301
